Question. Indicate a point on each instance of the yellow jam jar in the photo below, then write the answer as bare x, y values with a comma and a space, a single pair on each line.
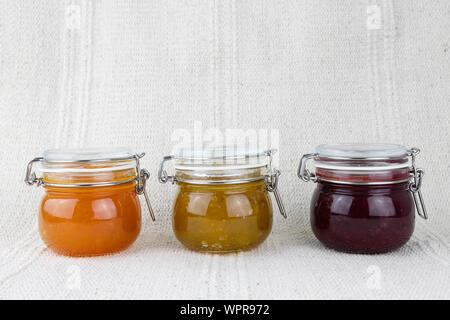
223, 203
91, 204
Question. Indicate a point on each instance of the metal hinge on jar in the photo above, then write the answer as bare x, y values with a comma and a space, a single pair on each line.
272, 183
303, 173
272, 186
141, 181
30, 176
416, 184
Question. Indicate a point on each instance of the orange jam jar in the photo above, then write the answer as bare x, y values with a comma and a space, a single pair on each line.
91, 204
222, 203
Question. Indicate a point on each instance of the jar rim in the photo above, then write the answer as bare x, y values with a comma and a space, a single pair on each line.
369, 166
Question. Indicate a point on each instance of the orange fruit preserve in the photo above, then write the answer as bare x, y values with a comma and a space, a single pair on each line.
90, 221
91, 204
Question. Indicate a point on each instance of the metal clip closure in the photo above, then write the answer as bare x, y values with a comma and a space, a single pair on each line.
142, 176
272, 186
30, 176
163, 177
302, 172
272, 183
416, 184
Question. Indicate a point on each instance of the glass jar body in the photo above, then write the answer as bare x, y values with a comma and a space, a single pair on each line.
222, 218
362, 218
90, 221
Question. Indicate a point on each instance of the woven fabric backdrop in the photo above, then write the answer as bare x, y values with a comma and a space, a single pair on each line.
129, 73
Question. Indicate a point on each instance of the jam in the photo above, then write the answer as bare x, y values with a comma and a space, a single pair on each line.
91, 204
222, 218
90, 221
366, 196
362, 219
223, 202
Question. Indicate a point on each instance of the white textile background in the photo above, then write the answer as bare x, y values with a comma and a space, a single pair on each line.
78, 73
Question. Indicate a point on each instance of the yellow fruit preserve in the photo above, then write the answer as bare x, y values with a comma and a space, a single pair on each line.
221, 207
222, 218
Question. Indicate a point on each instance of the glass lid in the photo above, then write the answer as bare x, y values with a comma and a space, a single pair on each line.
361, 151
220, 158
88, 160
87, 155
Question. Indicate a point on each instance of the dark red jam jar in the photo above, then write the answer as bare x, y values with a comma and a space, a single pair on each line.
366, 195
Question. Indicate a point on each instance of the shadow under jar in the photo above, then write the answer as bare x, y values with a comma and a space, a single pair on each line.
365, 195
91, 204
222, 203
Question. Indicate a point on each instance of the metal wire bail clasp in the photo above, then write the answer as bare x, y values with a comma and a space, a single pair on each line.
142, 176
272, 183
272, 186
416, 184
30, 176
163, 177
303, 172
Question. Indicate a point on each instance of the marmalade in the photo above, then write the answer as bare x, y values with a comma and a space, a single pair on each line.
223, 202
91, 204
222, 218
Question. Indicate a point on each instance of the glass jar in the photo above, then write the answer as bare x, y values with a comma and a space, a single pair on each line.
365, 195
91, 204
222, 203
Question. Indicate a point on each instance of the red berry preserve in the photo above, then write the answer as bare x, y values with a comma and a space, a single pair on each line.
365, 197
